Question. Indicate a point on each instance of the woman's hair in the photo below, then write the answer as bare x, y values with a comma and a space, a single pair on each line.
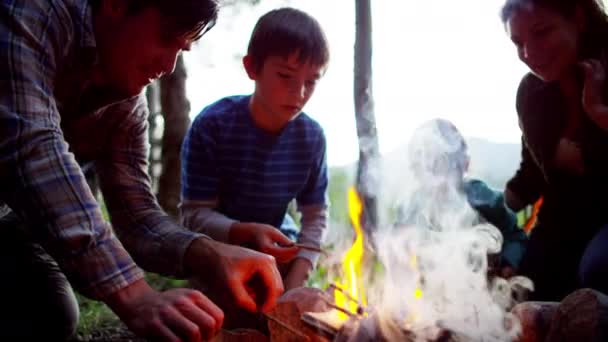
596, 21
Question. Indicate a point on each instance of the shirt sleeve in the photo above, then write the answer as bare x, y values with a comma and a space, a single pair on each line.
200, 216
315, 190
314, 223
200, 175
39, 177
156, 242
490, 204
528, 182
312, 203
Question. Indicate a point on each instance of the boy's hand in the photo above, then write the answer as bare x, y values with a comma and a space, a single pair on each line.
251, 278
173, 315
263, 238
593, 92
298, 273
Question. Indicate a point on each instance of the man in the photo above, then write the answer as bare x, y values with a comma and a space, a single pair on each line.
71, 79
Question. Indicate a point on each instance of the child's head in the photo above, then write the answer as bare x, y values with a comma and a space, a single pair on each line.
287, 54
438, 152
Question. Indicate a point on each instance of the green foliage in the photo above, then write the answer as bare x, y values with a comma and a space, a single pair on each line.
162, 283
339, 182
94, 315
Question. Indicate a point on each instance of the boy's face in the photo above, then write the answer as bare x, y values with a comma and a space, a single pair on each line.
283, 85
133, 51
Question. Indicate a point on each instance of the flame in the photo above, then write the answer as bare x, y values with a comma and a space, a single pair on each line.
414, 266
412, 316
351, 261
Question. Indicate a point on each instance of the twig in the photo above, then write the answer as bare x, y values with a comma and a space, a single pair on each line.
343, 310
346, 294
310, 248
287, 327
360, 308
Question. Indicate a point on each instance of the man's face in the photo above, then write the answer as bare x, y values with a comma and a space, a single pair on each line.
134, 51
546, 41
283, 86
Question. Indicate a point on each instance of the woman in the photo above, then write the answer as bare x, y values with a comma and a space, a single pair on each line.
564, 121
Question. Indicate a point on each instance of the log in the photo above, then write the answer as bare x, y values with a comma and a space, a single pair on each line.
582, 316
286, 316
240, 335
535, 319
375, 328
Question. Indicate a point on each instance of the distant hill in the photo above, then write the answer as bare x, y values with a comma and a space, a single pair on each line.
494, 163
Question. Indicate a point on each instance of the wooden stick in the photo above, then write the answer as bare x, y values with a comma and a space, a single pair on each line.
334, 306
361, 310
346, 294
287, 327
310, 248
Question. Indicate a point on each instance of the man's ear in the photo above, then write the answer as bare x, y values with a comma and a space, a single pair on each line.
250, 67
114, 8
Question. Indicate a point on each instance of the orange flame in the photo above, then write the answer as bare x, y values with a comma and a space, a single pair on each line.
351, 261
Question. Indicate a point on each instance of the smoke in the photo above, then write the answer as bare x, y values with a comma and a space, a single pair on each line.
434, 255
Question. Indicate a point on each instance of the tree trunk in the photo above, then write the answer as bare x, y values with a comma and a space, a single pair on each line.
175, 109
368, 183
152, 96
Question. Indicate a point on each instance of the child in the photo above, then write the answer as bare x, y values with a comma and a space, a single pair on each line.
439, 160
245, 158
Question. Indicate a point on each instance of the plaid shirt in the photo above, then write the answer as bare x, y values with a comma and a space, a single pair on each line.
50, 117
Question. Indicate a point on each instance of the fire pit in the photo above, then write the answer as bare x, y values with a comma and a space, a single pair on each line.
417, 298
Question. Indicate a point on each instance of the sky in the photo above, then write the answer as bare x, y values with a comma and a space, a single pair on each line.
431, 58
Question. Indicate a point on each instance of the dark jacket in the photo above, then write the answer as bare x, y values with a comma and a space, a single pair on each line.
571, 202
489, 206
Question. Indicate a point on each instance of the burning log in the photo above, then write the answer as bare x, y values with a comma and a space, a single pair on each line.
285, 322
382, 329
240, 335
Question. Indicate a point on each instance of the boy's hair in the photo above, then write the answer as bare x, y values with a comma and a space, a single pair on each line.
284, 31
437, 150
188, 19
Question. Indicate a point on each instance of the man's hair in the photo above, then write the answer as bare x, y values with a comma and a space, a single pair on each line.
188, 19
284, 31
438, 150
596, 21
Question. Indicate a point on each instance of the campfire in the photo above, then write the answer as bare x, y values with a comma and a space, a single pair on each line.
342, 312
349, 317
425, 311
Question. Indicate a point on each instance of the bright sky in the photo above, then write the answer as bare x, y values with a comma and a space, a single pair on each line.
431, 58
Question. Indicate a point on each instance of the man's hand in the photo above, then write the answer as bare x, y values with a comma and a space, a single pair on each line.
594, 88
173, 315
298, 273
252, 278
263, 238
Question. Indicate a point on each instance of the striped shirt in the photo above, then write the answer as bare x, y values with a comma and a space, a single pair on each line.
50, 117
251, 175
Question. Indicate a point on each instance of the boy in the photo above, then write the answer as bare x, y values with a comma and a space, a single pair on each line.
246, 157
439, 160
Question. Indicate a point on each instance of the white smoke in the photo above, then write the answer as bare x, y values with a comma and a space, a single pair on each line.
435, 257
